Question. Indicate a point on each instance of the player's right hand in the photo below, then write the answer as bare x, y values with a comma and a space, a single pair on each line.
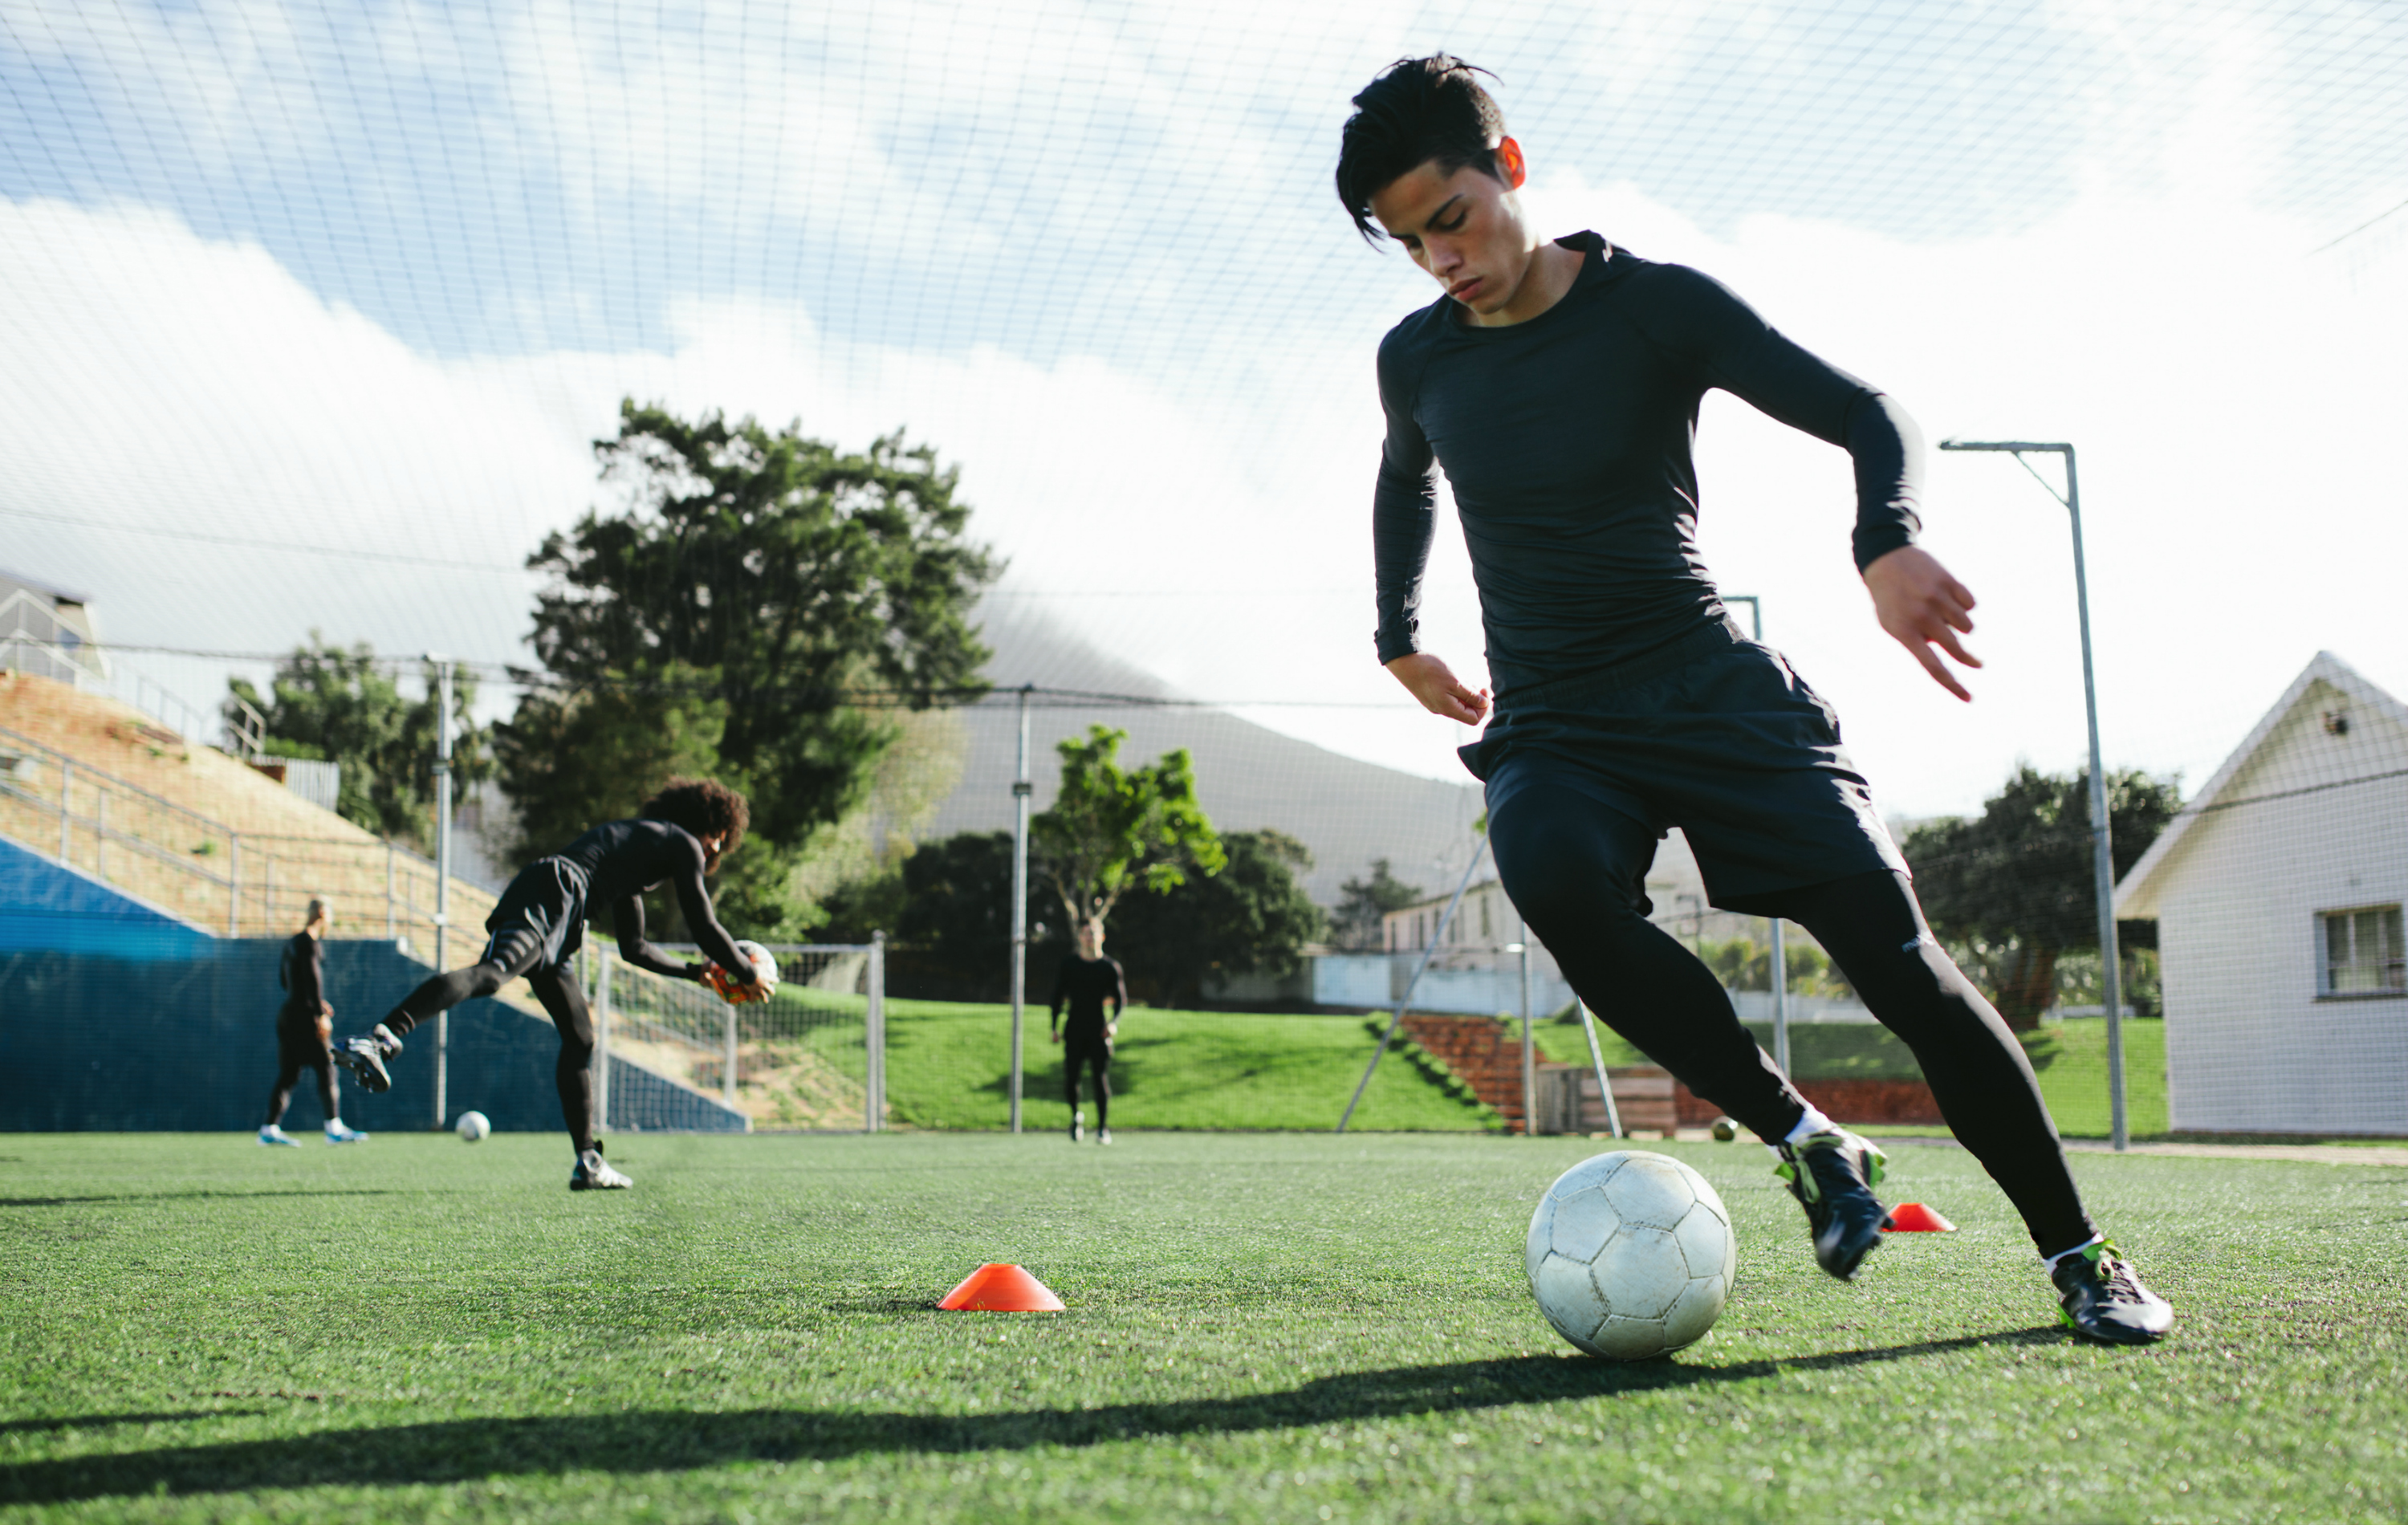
1440, 693
731, 990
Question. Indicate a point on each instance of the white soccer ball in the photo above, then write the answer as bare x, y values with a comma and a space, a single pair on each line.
472, 1125
1630, 1255
764, 967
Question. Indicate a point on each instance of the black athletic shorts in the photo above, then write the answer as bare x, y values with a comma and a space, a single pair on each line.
1091, 1044
1715, 735
545, 903
299, 1044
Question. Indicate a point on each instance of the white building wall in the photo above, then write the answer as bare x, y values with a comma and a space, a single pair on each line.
2249, 1045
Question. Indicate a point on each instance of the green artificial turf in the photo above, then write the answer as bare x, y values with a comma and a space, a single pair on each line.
948, 1066
1261, 1327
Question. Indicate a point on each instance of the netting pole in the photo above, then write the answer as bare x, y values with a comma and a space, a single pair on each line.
234, 883
876, 1109
1429, 949
100, 835
1529, 1059
1596, 1059
1020, 793
2102, 856
388, 892
1780, 998
442, 872
66, 782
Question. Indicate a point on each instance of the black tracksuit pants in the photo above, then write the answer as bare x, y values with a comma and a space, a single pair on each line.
1563, 857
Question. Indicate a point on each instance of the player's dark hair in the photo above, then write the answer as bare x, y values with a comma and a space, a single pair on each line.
1418, 110
705, 807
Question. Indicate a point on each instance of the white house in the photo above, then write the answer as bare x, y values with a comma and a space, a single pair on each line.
2277, 895
48, 632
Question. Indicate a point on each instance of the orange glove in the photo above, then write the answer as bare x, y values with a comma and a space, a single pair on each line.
730, 990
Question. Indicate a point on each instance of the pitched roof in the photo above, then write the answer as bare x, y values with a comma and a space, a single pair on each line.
2136, 895
39, 587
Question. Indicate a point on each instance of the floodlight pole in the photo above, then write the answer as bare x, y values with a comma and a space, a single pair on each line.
442, 868
1529, 1062
1020, 792
1779, 974
2102, 858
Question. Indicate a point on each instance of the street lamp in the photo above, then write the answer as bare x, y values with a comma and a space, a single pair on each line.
2102, 865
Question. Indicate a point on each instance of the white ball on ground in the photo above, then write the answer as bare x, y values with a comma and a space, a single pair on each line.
765, 968
472, 1125
1631, 1255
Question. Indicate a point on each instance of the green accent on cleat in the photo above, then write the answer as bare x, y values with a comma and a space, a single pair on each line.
2100, 1298
1832, 1174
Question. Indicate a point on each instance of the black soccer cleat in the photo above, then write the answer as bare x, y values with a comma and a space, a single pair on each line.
364, 1059
1833, 1174
2100, 1297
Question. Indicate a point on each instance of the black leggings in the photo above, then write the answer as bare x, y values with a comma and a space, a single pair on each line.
564, 999
1097, 1057
1565, 861
299, 1048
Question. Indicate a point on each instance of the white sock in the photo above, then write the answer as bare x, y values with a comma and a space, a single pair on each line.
1809, 1125
2051, 1260
333, 1123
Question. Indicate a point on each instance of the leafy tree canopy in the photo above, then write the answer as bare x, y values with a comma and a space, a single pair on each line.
760, 603
779, 576
331, 704
1362, 904
1114, 829
2012, 888
1252, 915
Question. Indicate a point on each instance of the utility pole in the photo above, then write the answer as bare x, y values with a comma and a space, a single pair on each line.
442, 870
2102, 856
1020, 792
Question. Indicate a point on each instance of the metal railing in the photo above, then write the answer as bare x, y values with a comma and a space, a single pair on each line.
234, 883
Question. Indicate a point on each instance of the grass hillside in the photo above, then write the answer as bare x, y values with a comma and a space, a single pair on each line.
1266, 1327
948, 1066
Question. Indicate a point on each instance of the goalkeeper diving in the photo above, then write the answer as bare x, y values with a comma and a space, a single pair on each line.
678, 838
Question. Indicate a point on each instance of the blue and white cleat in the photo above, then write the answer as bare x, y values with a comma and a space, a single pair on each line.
339, 1133
272, 1134
365, 1058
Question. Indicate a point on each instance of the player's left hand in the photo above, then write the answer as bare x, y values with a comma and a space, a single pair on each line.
1921, 606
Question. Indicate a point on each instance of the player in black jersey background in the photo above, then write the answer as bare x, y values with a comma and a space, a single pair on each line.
678, 838
304, 1023
1086, 983
1557, 385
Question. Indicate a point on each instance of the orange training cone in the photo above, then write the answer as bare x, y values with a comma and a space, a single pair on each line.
1913, 1218
995, 1287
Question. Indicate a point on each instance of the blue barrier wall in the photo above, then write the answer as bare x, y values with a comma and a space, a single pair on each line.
116, 1017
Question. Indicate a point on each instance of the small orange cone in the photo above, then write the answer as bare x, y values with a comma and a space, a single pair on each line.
995, 1287
1915, 1218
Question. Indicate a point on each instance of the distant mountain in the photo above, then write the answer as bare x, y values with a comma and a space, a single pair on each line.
1346, 811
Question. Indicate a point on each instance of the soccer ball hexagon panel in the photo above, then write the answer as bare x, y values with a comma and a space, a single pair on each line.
1630, 1255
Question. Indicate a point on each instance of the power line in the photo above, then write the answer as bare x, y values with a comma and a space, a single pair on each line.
247, 543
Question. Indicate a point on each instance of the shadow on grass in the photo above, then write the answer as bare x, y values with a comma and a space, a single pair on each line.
102, 1421
668, 1440
187, 1196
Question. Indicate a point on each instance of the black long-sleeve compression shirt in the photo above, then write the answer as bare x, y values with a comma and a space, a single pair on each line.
1087, 987
1566, 441
623, 859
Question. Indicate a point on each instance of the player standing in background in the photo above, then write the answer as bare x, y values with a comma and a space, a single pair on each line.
680, 836
1086, 983
302, 1025
1557, 383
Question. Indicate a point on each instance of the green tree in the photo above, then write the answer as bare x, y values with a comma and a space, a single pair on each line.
327, 703
1363, 904
1742, 963
2013, 889
753, 614
1112, 831
1252, 915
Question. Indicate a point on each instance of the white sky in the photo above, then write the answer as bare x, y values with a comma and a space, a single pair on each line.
1135, 322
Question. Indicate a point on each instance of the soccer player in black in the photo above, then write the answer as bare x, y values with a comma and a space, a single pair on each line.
678, 836
303, 1024
1557, 385
1087, 982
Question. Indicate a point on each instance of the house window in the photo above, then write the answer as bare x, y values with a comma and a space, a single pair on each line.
2363, 954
